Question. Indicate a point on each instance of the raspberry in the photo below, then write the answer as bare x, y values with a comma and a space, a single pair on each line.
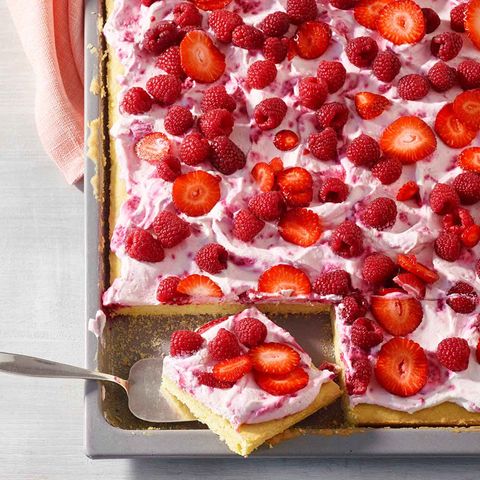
413, 87
432, 20
387, 170
167, 291
462, 298
361, 51
267, 205
142, 246
212, 258
194, 149
215, 123
353, 307
467, 186
312, 92
160, 37
347, 240
250, 331
363, 150
378, 268
468, 74
300, 11
446, 46
178, 120
275, 24
448, 246
380, 214
170, 229
223, 22
269, 113
386, 66
169, 168
165, 89
261, 73
247, 37
246, 226
333, 190
444, 199
169, 62
223, 346
365, 333
208, 379
357, 379
185, 342
333, 115
323, 145
457, 17
217, 97
334, 282
136, 101
454, 353
442, 77
226, 156
186, 13
275, 49
333, 73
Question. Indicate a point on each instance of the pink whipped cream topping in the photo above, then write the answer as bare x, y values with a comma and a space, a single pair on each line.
245, 402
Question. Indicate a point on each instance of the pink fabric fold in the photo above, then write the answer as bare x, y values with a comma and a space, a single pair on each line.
51, 32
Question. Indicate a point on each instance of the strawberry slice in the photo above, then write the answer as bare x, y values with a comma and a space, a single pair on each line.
200, 58
407, 191
281, 278
398, 316
386, 290
153, 147
276, 164
469, 159
370, 105
210, 324
409, 139
298, 199
264, 176
274, 358
300, 226
283, 385
410, 264
366, 12
312, 39
402, 367
401, 22
451, 130
294, 180
411, 284
199, 286
196, 193
232, 369
211, 4
471, 236
285, 140
472, 22
466, 108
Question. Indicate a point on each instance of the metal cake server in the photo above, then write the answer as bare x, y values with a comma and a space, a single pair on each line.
145, 400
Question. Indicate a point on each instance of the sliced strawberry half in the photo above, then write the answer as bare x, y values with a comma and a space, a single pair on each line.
451, 130
300, 226
210, 324
298, 199
276, 164
211, 4
232, 369
153, 147
401, 22
196, 193
285, 140
294, 180
398, 316
407, 191
409, 139
469, 159
370, 105
402, 367
410, 264
471, 236
274, 358
284, 278
466, 108
264, 176
411, 284
200, 58
366, 12
199, 286
472, 22
312, 39
283, 385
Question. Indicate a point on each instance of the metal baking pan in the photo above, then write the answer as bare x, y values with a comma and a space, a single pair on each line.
112, 432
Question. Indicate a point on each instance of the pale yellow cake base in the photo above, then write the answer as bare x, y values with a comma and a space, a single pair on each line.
248, 437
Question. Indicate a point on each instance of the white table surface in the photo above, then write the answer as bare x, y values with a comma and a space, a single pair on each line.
42, 298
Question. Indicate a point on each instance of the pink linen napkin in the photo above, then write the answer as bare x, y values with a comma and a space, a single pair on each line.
51, 32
